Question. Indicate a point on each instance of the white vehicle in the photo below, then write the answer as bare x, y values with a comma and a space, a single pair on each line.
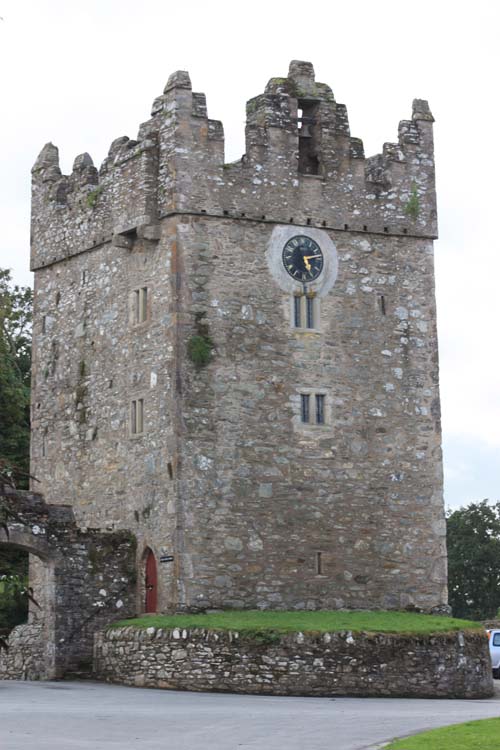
494, 639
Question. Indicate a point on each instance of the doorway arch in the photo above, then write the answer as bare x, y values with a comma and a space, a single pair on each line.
31, 652
151, 582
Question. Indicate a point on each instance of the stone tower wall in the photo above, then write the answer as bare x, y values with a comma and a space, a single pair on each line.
226, 479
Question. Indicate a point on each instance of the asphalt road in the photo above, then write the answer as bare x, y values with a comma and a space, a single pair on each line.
95, 716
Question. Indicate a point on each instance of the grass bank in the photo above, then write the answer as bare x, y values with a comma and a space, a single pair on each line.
473, 735
322, 622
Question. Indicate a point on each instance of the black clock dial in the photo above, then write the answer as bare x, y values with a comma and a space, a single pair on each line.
303, 259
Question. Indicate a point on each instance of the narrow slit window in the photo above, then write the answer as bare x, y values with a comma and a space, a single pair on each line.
133, 418
320, 408
297, 317
137, 417
140, 415
382, 304
137, 305
304, 407
143, 304
310, 312
140, 305
319, 564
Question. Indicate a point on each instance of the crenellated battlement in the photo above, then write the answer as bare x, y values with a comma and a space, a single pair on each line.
301, 166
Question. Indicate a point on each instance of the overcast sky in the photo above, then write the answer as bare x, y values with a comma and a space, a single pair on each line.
80, 74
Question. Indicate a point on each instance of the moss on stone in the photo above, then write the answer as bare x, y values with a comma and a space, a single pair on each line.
93, 196
200, 350
252, 105
412, 208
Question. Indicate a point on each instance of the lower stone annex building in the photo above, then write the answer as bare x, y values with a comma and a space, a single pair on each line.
238, 362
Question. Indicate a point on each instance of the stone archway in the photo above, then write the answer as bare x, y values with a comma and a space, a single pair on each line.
82, 580
31, 653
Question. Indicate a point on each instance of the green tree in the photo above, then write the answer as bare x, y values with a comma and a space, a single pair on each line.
13, 588
15, 365
473, 537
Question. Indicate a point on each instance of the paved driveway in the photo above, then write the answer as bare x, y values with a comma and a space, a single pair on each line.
95, 716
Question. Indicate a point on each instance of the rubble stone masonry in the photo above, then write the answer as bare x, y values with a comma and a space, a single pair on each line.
445, 665
210, 462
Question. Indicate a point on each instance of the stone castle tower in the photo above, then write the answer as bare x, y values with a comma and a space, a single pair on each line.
238, 362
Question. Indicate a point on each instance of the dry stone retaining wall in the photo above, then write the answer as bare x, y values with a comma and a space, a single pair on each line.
26, 657
445, 665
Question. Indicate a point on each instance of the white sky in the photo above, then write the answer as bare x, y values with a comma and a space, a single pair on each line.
82, 73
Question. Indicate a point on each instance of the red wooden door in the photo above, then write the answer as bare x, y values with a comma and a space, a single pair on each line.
151, 583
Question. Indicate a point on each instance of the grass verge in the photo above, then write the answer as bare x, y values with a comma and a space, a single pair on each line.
473, 735
322, 622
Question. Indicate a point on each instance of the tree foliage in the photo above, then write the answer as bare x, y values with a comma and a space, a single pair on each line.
15, 366
15, 375
13, 588
473, 536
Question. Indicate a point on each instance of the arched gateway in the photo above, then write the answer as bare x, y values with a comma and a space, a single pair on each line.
81, 579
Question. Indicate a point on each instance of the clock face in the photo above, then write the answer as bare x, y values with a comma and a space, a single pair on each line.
303, 259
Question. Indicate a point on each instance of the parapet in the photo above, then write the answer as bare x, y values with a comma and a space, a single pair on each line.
301, 166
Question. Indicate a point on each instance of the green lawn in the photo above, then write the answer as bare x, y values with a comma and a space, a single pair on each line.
285, 622
474, 735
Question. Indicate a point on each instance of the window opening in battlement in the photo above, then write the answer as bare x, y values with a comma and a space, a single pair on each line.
308, 137
137, 416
